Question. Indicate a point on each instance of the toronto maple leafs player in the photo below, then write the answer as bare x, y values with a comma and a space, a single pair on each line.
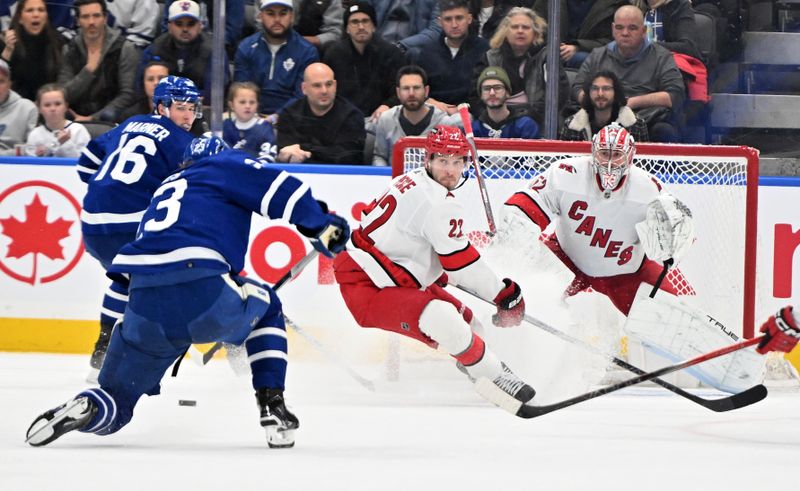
123, 167
393, 272
185, 288
614, 223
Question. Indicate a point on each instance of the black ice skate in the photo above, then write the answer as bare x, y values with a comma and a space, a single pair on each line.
73, 415
279, 423
99, 353
513, 385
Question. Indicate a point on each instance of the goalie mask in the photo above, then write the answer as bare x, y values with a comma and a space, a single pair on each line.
613, 150
443, 145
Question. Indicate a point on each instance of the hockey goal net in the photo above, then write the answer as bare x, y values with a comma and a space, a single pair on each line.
718, 183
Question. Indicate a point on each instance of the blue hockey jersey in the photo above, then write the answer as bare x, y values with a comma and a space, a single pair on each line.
123, 167
255, 137
199, 218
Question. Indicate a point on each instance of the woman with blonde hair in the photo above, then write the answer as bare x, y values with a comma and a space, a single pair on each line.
518, 46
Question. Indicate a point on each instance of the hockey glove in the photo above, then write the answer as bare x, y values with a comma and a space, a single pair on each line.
510, 305
668, 229
332, 239
781, 332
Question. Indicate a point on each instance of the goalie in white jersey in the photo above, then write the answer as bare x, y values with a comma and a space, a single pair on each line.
392, 274
613, 220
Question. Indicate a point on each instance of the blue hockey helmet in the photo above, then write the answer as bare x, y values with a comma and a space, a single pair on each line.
176, 89
203, 147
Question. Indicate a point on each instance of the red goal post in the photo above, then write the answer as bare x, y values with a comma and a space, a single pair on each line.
718, 183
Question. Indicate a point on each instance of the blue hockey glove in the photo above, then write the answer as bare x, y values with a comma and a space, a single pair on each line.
332, 239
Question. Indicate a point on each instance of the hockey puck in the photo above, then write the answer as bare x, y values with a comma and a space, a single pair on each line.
187, 402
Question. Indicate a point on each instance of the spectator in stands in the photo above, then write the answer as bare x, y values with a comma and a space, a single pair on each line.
404, 22
412, 117
321, 127
17, 115
32, 48
234, 20
274, 58
648, 73
143, 104
497, 120
243, 128
363, 64
585, 25
185, 48
671, 24
518, 47
98, 66
605, 104
57, 136
450, 59
319, 22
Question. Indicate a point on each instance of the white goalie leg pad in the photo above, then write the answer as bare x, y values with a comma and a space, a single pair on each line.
677, 331
441, 322
494, 394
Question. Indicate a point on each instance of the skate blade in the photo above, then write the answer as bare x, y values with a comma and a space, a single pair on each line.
42, 431
277, 438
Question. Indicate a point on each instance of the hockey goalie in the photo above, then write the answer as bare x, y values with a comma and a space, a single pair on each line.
615, 227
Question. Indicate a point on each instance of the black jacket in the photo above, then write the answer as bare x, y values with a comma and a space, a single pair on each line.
336, 138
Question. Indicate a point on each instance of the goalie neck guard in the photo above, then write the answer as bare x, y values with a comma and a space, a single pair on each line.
613, 149
446, 141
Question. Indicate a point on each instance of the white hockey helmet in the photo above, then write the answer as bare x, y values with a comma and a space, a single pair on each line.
613, 149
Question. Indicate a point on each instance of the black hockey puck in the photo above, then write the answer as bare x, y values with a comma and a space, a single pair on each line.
186, 402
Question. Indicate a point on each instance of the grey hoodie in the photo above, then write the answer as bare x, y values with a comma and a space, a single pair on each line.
17, 118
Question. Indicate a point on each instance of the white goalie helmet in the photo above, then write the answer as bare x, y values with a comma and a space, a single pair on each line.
613, 149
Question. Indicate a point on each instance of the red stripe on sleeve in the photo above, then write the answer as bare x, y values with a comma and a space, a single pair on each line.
531, 208
459, 259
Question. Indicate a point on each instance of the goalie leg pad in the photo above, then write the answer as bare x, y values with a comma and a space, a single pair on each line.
678, 331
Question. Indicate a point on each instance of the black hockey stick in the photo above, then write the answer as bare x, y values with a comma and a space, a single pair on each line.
294, 271
728, 403
528, 412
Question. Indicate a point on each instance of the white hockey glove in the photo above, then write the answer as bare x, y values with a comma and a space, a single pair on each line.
668, 229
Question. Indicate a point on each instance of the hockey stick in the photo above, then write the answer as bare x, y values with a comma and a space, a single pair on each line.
528, 412
204, 358
728, 403
463, 111
366, 383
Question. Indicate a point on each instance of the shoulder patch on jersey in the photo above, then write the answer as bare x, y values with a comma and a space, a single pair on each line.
567, 167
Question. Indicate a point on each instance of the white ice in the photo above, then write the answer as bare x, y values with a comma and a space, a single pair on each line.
426, 432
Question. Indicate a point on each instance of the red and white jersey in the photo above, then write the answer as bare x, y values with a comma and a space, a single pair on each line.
597, 233
414, 232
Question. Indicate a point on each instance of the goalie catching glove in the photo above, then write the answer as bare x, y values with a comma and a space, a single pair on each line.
510, 305
332, 238
780, 332
668, 229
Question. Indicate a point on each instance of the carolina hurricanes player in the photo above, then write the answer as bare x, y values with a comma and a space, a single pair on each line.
781, 332
613, 220
392, 273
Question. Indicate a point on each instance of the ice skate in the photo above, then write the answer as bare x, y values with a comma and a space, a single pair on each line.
505, 390
514, 386
72, 415
279, 423
99, 353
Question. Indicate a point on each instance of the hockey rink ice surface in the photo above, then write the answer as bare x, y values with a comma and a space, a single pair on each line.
423, 433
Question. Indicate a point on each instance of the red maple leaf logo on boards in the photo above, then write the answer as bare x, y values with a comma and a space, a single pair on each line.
35, 235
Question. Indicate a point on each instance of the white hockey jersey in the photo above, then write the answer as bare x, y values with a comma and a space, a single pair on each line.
597, 233
413, 232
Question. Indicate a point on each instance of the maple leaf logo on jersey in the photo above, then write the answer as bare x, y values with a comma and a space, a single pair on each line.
33, 247
288, 64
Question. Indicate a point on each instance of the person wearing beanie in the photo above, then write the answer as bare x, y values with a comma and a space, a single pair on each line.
17, 115
364, 64
498, 120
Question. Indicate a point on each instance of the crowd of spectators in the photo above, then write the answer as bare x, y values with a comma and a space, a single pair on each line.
339, 81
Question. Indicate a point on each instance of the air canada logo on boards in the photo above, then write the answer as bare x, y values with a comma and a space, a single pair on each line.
40, 234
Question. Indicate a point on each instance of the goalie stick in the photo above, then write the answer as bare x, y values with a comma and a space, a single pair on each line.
528, 412
728, 403
463, 111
